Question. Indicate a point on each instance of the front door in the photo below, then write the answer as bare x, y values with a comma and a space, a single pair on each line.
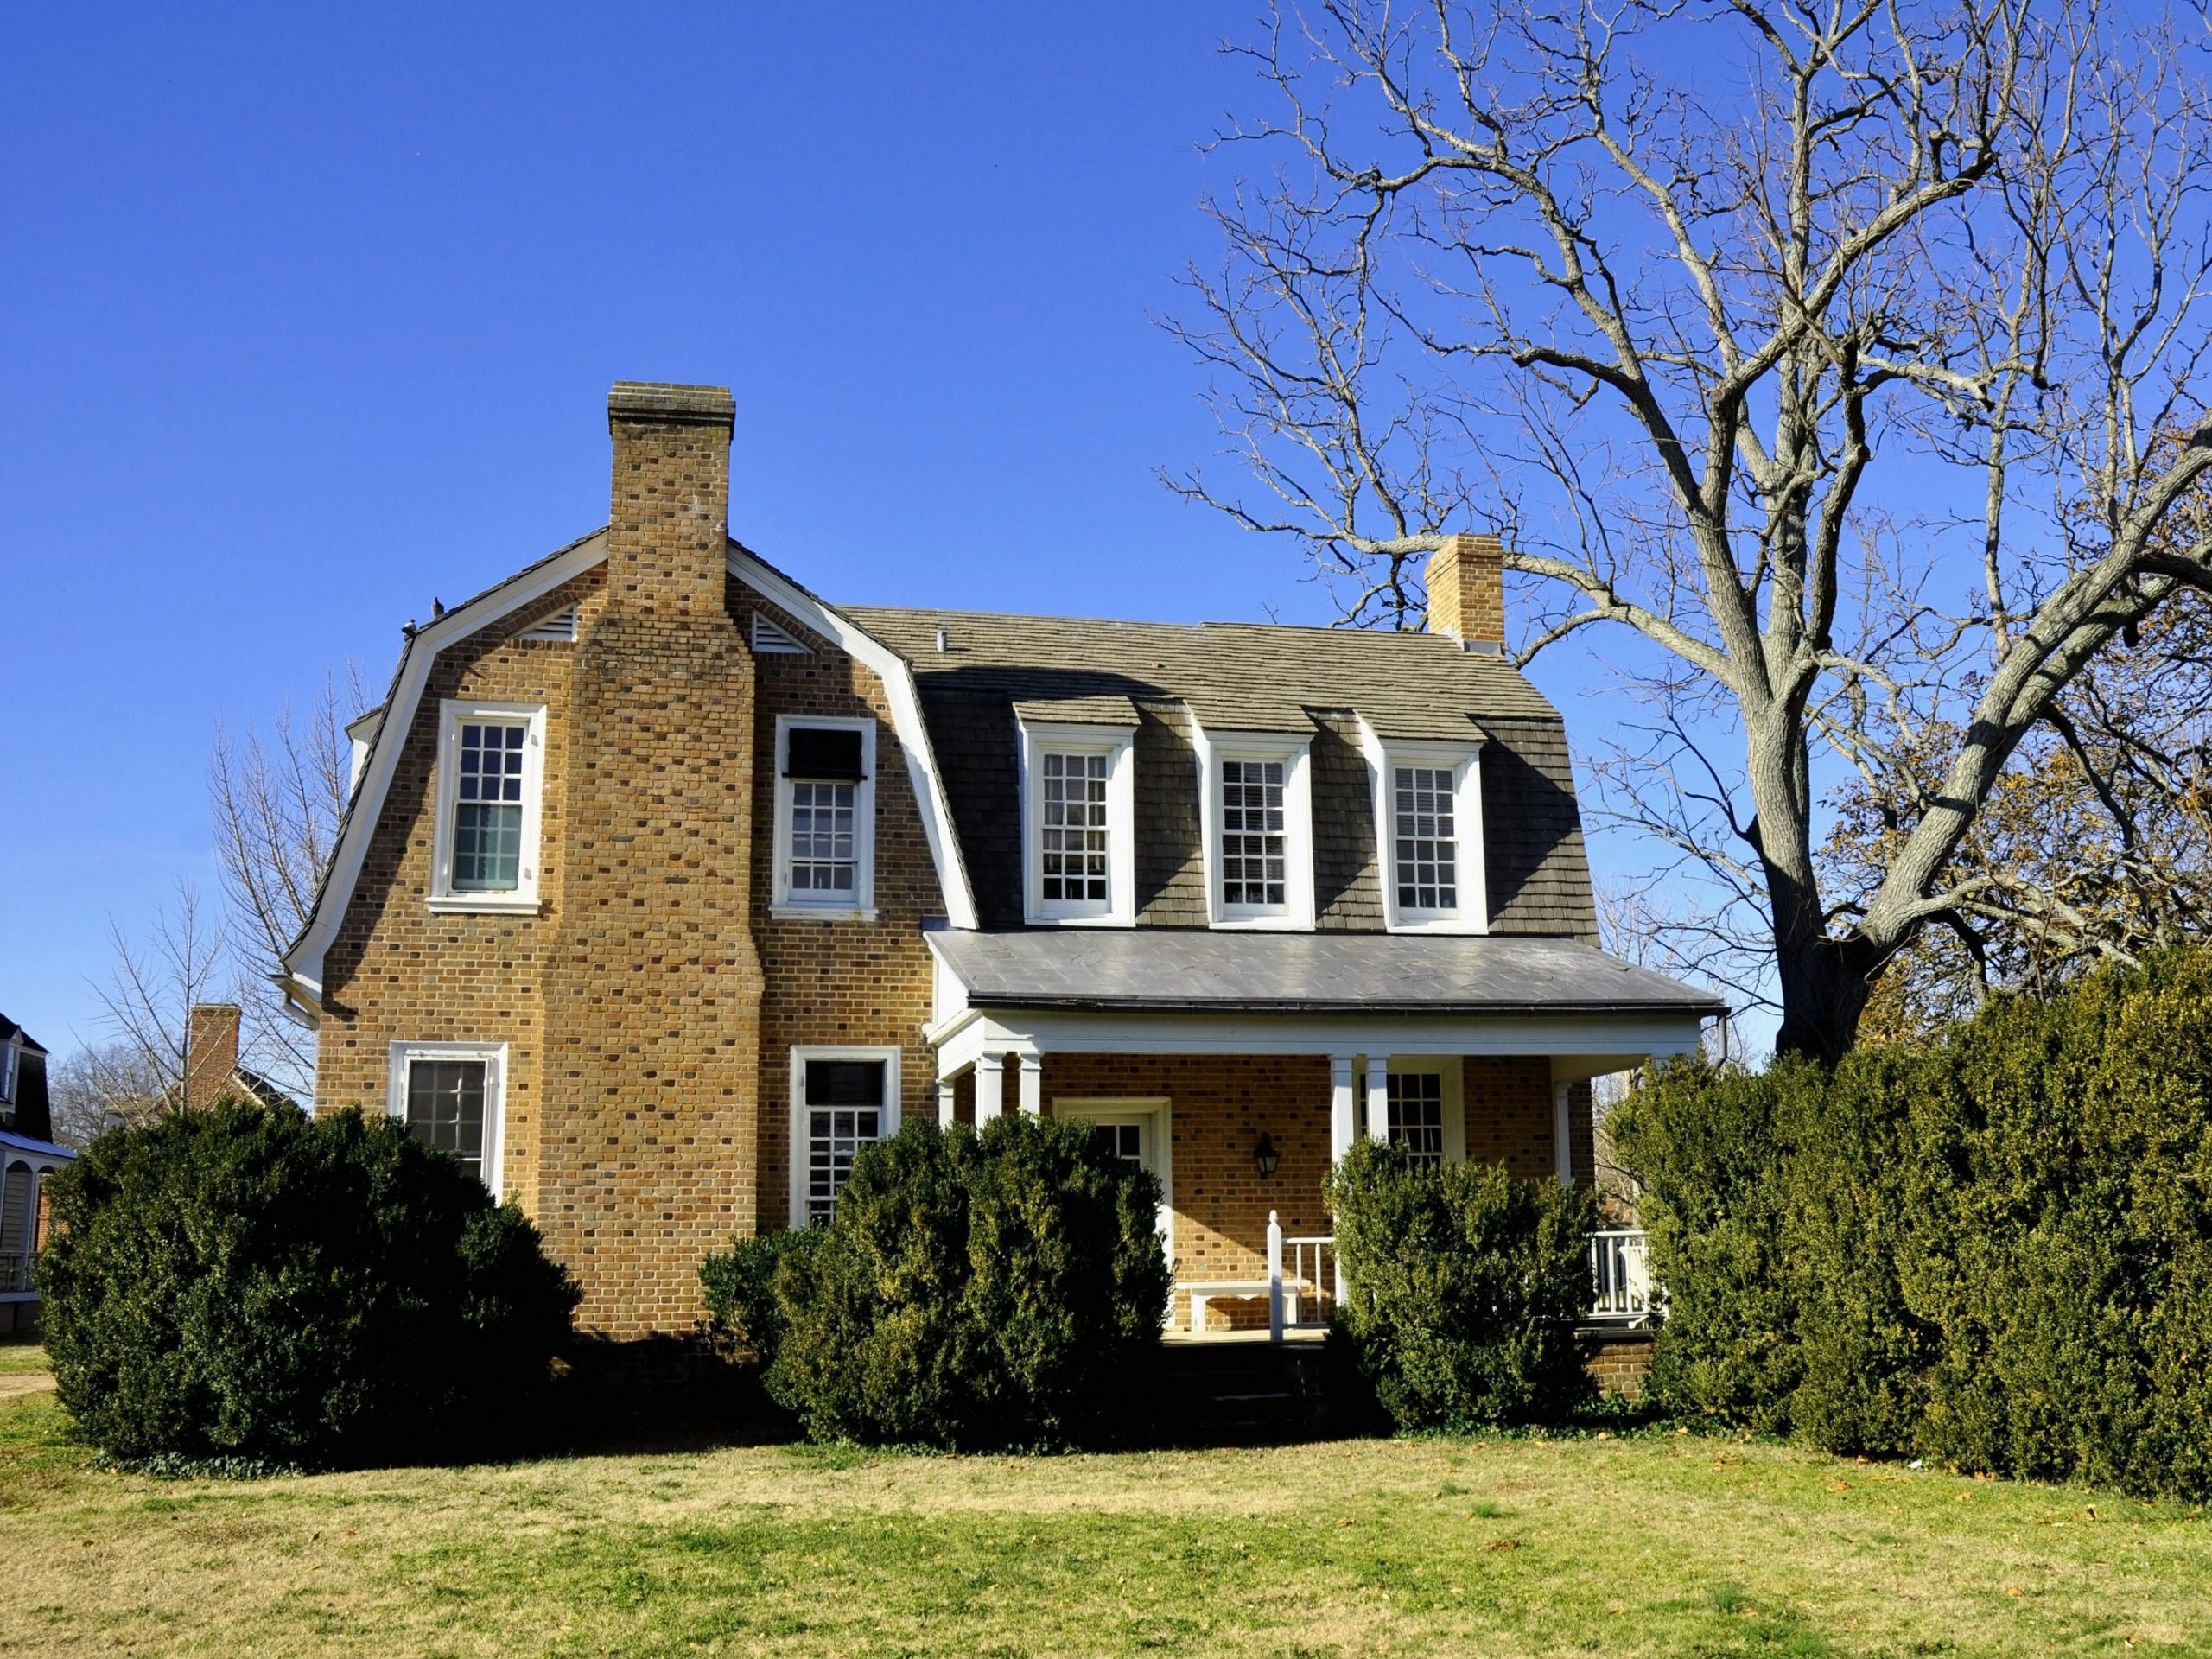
1135, 1131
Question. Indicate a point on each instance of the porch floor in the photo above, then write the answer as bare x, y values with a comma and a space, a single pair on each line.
1176, 1336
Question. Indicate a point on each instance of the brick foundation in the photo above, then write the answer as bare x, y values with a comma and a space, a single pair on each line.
1618, 1360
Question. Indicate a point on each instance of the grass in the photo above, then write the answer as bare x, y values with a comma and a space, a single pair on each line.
21, 1357
1652, 1544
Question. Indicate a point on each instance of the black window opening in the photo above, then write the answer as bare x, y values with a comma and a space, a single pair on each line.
825, 754
445, 1108
1121, 1140
843, 1108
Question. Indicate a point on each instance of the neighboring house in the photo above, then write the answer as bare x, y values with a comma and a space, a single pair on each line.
28, 1156
667, 886
211, 1069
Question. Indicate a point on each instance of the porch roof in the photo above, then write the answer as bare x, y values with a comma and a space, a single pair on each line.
1163, 969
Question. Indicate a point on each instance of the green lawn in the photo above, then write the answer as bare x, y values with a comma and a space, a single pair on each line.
20, 1357
1658, 1544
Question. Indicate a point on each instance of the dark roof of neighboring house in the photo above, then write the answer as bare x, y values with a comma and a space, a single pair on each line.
1162, 969
251, 1084
1244, 677
10, 1028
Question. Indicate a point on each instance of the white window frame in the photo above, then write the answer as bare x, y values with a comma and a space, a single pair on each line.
453, 713
787, 905
1118, 744
1453, 1072
890, 1057
1295, 915
494, 1057
1383, 757
1156, 1111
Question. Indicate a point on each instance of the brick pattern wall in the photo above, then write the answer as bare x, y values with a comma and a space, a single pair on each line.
1466, 589
653, 997
1620, 1362
1509, 1113
828, 982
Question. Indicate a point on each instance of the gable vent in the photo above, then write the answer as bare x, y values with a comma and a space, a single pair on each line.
560, 628
770, 641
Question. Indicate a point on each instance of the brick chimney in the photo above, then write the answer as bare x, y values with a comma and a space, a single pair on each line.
211, 1053
648, 1117
666, 545
1466, 592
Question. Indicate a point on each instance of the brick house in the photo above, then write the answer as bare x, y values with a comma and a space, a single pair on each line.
667, 884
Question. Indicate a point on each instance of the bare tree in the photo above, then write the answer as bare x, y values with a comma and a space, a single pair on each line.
1841, 358
146, 1004
278, 801
102, 1087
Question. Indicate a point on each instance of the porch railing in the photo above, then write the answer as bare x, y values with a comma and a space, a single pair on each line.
1620, 1276
1301, 1281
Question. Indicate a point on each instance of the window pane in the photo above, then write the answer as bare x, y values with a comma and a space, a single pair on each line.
823, 853
1252, 840
844, 1083
843, 1112
1417, 1115
487, 810
1072, 832
1427, 876
445, 1108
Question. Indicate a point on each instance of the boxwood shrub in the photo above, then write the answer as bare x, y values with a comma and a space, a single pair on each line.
1989, 1251
975, 1290
251, 1284
1465, 1287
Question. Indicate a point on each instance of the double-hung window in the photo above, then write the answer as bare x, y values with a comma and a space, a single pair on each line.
491, 772
1258, 820
1416, 1100
825, 818
451, 1097
842, 1099
1077, 808
1429, 835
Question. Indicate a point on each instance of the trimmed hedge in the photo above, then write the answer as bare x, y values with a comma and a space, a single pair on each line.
974, 1291
1992, 1252
250, 1284
1465, 1288
744, 1319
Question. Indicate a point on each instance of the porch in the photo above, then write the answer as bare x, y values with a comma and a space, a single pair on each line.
25, 1164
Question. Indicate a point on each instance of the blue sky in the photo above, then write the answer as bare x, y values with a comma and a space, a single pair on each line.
309, 318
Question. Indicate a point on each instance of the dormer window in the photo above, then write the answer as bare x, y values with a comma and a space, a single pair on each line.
1078, 813
490, 779
1256, 813
825, 818
1428, 834
9, 1050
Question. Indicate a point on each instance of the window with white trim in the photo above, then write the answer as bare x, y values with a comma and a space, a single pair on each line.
9, 1049
1424, 822
843, 1100
1256, 816
1417, 1105
825, 817
1429, 834
451, 1097
1078, 807
490, 779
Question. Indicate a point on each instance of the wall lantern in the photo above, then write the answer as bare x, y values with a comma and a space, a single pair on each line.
1264, 1155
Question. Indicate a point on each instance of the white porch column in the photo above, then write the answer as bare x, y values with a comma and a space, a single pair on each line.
1562, 1142
1378, 1098
1344, 1107
1032, 1084
990, 1086
946, 1091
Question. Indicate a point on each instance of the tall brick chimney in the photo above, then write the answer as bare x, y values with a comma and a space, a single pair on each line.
666, 544
211, 1053
1466, 592
651, 1086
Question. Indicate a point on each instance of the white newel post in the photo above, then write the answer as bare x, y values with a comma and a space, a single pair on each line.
1274, 1277
990, 1086
1032, 1085
1562, 1142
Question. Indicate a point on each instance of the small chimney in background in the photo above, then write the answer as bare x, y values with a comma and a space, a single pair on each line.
211, 1059
668, 534
1466, 592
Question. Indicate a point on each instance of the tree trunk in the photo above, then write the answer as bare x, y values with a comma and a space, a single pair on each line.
1824, 985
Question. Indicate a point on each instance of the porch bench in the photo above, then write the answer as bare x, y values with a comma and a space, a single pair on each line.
1202, 1291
